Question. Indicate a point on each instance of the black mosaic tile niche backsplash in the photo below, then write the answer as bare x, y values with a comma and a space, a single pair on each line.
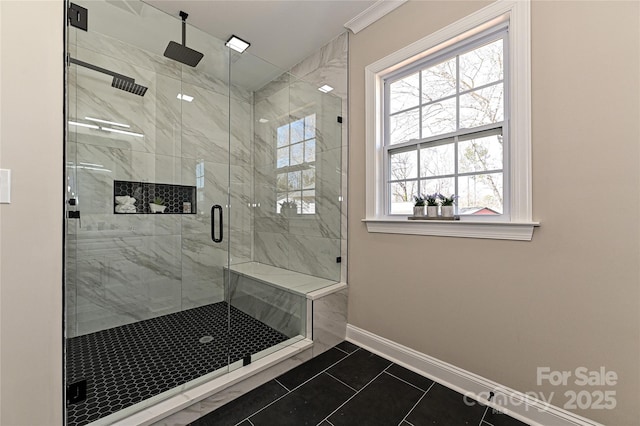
174, 196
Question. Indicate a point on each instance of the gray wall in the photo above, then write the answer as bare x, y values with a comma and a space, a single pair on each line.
570, 297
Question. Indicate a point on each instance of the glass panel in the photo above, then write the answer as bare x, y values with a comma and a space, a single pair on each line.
437, 160
401, 194
404, 94
439, 118
439, 81
297, 154
480, 194
283, 157
282, 182
283, 135
310, 151
295, 180
444, 186
309, 202
481, 154
404, 126
308, 179
310, 127
297, 131
480, 107
404, 165
481, 66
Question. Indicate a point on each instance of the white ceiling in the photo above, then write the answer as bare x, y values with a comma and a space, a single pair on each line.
280, 32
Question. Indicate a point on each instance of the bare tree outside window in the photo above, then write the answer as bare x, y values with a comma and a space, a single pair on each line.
445, 130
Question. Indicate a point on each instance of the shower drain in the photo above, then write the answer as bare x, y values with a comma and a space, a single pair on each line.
206, 339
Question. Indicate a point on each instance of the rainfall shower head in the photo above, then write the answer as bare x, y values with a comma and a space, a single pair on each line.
119, 81
180, 52
128, 85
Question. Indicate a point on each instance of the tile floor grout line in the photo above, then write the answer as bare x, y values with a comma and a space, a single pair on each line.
334, 377
357, 392
342, 350
415, 405
407, 422
410, 384
278, 382
250, 422
300, 385
483, 415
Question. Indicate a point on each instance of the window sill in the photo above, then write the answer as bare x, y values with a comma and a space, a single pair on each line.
520, 231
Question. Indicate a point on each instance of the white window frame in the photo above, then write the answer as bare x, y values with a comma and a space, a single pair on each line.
518, 224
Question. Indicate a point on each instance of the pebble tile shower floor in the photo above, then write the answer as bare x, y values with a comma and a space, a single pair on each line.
131, 363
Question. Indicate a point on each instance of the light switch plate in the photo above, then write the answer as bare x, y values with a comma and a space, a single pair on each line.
5, 186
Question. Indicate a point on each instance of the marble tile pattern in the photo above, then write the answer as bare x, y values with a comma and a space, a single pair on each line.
290, 242
127, 268
329, 321
124, 268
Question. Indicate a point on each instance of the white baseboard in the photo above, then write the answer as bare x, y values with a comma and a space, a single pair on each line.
516, 404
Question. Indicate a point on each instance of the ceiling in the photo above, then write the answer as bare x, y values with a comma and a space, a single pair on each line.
280, 32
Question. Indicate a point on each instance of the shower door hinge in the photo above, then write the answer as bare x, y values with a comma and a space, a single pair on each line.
78, 16
339, 119
76, 392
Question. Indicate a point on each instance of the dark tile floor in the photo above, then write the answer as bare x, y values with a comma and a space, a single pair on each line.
128, 364
349, 385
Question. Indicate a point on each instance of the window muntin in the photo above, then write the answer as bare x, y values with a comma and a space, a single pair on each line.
446, 128
295, 164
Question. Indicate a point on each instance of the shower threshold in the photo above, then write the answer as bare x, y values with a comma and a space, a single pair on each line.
132, 368
159, 407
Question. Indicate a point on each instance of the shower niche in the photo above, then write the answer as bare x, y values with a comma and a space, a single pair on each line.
177, 199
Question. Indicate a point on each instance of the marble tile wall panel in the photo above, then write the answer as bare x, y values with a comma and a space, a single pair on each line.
321, 251
177, 136
135, 277
280, 309
329, 321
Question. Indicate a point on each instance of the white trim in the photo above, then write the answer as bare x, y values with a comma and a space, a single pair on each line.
516, 404
372, 14
519, 188
520, 231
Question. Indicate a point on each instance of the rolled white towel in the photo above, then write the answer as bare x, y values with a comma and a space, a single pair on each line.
125, 200
128, 208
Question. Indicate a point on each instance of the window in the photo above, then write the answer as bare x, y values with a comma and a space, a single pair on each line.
451, 114
296, 165
445, 128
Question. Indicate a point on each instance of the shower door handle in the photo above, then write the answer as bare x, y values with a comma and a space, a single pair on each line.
213, 223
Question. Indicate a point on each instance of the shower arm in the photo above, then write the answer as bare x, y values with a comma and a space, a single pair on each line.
100, 70
184, 16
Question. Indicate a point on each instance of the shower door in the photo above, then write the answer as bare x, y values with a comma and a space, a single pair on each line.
148, 224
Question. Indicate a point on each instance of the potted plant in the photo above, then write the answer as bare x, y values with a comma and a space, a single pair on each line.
157, 206
419, 208
432, 204
288, 208
447, 204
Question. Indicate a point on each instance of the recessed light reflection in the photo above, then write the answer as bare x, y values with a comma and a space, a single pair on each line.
113, 123
185, 97
108, 129
90, 126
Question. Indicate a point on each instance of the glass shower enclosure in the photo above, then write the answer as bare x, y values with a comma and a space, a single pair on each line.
202, 204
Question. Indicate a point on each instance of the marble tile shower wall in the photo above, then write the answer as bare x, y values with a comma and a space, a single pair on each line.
126, 268
311, 243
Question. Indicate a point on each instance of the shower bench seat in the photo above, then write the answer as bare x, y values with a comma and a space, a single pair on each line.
291, 281
280, 298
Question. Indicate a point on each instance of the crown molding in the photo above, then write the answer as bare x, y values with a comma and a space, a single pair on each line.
372, 14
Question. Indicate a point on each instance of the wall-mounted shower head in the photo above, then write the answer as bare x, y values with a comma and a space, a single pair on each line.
180, 52
119, 81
